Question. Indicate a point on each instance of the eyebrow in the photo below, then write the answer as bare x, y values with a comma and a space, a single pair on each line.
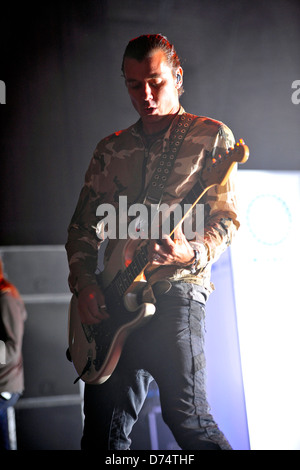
153, 75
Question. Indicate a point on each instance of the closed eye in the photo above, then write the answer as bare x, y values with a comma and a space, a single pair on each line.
156, 83
153, 83
133, 84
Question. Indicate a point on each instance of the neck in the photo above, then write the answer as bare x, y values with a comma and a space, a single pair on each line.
153, 126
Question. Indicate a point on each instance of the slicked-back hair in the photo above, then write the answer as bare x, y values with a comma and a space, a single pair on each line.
141, 47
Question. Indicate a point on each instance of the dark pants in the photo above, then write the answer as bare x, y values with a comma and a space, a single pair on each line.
170, 349
4, 434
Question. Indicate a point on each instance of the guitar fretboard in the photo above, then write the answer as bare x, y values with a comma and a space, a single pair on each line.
124, 279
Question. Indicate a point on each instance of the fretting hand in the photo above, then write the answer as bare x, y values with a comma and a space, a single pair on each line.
91, 305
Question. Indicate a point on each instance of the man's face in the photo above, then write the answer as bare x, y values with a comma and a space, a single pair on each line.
152, 87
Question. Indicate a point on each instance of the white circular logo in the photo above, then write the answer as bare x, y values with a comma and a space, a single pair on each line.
269, 219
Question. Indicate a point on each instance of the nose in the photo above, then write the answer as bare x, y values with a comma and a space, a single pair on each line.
147, 92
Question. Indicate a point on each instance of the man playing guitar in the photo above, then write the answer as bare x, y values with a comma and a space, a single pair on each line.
169, 346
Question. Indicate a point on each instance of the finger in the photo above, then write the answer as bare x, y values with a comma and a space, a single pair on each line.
166, 248
86, 317
179, 236
90, 318
153, 251
103, 312
101, 306
157, 259
159, 253
91, 313
98, 311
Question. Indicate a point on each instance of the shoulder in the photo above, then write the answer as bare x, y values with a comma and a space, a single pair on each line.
118, 145
208, 123
113, 148
204, 126
120, 137
8, 289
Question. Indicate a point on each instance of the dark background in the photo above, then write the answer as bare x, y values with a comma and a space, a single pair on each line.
61, 62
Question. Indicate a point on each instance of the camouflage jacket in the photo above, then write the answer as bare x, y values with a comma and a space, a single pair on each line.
122, 165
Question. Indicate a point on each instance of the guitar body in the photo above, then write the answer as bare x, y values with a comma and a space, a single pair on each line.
96, 349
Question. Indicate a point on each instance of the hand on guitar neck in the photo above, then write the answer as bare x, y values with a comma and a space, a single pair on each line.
91, 305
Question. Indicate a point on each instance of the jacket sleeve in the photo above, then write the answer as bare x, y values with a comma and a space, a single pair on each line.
13, 315
82, 243
220, 209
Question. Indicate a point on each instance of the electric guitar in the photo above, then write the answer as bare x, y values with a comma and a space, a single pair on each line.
96, 349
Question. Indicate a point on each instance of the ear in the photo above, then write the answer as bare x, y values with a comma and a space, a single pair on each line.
179, 77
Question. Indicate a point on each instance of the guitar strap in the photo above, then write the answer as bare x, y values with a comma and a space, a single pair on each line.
166, 163
155, 191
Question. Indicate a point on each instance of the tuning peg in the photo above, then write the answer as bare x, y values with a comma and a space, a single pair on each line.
240, 142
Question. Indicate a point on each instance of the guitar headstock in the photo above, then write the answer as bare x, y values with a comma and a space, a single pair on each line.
218, 169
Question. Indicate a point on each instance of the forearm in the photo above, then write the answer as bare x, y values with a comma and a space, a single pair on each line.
82, 244
220, 224
218, 236
82, 251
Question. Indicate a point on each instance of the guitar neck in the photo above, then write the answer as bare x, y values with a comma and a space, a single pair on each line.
124, 279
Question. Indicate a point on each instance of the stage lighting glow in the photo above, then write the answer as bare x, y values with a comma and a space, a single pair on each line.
265, 211
265, 261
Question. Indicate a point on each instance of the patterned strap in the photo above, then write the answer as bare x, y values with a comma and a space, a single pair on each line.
167, 160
